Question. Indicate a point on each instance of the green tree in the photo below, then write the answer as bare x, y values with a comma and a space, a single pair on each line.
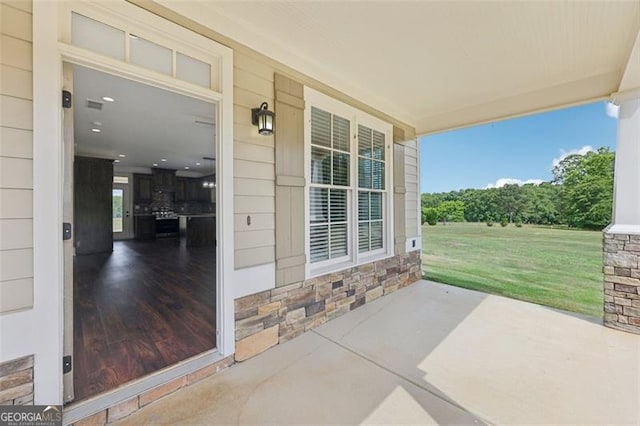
430, 215
451, 211
586, 196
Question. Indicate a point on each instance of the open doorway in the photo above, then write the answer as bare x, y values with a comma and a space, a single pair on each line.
144, 213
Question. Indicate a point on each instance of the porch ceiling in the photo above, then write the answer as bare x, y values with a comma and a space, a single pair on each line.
440, 65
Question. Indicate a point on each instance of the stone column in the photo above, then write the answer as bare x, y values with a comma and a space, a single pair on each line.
622, 237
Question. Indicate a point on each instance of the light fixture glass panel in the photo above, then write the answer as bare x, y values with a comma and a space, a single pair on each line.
151, 55
120, 179
192, 70
96, 36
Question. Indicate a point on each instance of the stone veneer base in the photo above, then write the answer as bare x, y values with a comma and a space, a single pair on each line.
16, 381
622, 281
274, 316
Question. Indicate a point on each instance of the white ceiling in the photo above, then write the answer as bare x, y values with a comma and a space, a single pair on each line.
144, 123
440, 64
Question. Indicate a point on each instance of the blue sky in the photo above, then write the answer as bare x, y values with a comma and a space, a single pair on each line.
522, 148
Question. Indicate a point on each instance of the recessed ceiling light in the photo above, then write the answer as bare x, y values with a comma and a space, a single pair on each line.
116, 161
95, 130
186, 167
121, 155
155, 164
97, 123
197, 164
108, 99
163, 159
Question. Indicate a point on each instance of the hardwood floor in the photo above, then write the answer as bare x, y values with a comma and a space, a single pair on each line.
147, 305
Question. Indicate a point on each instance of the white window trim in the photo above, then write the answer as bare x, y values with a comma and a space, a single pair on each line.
316, 99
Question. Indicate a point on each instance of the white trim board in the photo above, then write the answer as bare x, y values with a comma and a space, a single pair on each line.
254, 279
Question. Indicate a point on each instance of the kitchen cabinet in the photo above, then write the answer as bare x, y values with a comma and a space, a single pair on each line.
193, 189
201, 230
180, 189
144, 227
142, 188
164, 179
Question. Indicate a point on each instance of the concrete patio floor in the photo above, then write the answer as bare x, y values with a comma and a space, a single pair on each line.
429, 353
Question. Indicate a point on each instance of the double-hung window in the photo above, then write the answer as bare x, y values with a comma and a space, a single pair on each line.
348, 172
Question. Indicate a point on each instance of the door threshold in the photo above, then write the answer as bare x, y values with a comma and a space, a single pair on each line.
79, 410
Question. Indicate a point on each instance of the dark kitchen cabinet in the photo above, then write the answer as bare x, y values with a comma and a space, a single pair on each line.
142, 188
144, 227
181, 190
92, 205
193, 189
164, 179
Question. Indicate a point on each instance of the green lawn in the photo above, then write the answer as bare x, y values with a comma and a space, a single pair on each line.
555, 267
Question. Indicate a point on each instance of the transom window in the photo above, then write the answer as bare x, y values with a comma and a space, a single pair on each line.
348, 197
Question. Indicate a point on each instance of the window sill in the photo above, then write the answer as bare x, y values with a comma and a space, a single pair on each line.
341, 266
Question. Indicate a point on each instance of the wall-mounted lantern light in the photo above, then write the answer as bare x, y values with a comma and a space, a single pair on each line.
263, 118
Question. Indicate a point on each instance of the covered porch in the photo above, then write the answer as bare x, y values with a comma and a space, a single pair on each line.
428, 353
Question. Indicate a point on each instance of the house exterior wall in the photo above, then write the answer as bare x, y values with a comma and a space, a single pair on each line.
16, 157
255, 184
271, 317
255, 155
16, 193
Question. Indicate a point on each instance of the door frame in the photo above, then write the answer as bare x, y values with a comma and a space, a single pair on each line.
50, 50
127, 197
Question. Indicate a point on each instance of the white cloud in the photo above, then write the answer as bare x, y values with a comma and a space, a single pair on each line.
612, 110
511, 181
564, 154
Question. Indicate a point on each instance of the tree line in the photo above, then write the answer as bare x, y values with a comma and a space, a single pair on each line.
580, 195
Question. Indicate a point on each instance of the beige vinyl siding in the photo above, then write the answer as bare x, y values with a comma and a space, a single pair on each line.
16, 153
254, 172
412, 186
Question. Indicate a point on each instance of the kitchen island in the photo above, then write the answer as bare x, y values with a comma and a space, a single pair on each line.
199, 230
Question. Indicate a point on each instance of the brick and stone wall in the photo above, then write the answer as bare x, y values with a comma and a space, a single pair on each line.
274, 316
16, 381
622, 281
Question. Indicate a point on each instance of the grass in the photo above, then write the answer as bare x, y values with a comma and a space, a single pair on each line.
559, 268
